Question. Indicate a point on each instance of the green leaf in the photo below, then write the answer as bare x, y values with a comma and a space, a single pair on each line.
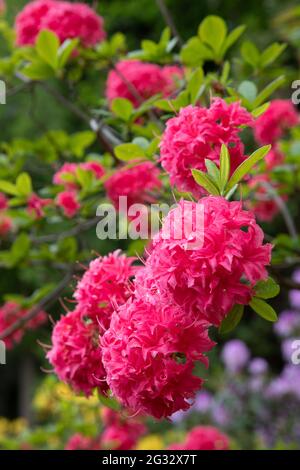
250, 53
67, 249
85, 178
8, 188
232, 319
127, 152
212, 31
80, 141
213, 171
109, 402
248, 90
232, 37
65, 51
38, 71
267, 289
47, 45
205, 181
244, 168
195, 85
122, 108
175, 105
20, 248
263, 309
224, 167
23, 184
270, 54
194, 53
268, 90
260, 110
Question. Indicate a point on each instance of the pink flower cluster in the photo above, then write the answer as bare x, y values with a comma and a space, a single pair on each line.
197, 134
10, 313
67, 176
280, 116
271, 126
120, 433
209, 279
80, 442
137, 81
154, 339
5, 220
203, 438
67, 20
262, 203
149, 353
36, 204
76, 354
136, 183
103, 286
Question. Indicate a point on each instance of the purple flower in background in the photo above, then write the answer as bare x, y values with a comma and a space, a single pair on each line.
287, 383
296, 276
203, 402
294, 297
235, 355
179, 416
258, 366
220, 415
287, 349
287, 323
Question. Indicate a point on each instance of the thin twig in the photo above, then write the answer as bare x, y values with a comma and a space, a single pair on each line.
53, 237
45, 302
105, 134
169, 20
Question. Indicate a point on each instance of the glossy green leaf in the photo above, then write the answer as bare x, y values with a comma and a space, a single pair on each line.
268, 90
212, 31
224, 167
24, 184
263, 309
47, 45
205, 181
232, 319
127, 152
244, 168
267, 289
122, 108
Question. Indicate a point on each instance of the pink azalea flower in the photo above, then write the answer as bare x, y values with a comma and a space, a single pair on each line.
121, 433
68, 202
10, 313
3, 202
5, 225
207, 279
80, 442
203, 438
149, 354
75, 354
137, 81
66, 175
137, 184
271, 125
105, 284
262, 203
197, 134
36, 204
67, 20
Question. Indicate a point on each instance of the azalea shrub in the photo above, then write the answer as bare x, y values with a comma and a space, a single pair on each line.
162, 218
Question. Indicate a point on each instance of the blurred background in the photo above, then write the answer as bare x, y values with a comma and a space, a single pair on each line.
257, 361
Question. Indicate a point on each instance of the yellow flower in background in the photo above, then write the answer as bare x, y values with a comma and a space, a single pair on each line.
150, 442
